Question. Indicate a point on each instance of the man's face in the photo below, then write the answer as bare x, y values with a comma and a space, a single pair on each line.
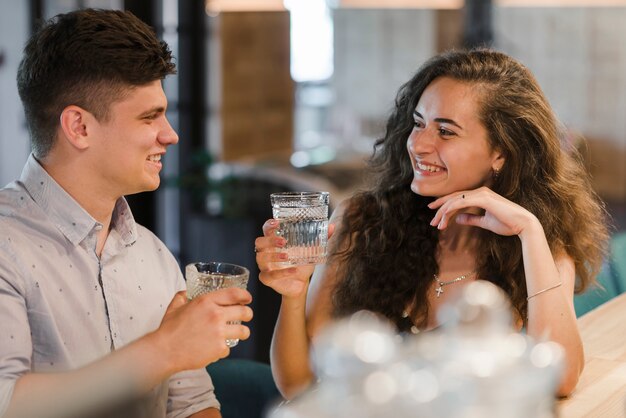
126, 150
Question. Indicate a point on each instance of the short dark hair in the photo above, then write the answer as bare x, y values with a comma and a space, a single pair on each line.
89, 58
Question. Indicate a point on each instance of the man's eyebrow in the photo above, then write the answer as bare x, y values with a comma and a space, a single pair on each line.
156, 109
439, 120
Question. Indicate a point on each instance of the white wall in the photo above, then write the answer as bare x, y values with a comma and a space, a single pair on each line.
14, 143
376, 51
579, 58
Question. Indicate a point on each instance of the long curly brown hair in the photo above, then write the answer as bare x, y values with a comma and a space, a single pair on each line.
388, 250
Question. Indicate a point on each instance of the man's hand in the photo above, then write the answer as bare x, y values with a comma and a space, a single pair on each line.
193, 333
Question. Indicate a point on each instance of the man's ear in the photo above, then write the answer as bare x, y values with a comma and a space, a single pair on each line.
75, 123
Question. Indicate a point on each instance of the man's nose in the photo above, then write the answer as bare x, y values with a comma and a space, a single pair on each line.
168, 135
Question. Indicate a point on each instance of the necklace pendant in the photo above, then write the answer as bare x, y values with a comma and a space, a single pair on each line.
439, 290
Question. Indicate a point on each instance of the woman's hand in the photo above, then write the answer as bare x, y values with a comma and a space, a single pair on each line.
501, 216
289, 351
290, 282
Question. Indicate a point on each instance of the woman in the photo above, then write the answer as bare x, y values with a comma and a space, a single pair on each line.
471, 182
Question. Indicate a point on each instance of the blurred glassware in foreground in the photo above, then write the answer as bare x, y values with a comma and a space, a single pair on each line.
474, 365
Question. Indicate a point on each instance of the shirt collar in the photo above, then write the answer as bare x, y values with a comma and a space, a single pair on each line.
124, 222
65, 212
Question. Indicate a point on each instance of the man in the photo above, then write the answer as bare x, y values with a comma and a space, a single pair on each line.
92, 311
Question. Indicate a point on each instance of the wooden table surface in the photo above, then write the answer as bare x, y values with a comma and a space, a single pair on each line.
601, 390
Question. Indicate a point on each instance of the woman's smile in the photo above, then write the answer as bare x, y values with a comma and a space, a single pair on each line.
426, 169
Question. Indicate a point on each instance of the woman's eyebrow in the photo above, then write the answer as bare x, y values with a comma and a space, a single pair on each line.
450, 121
438, 120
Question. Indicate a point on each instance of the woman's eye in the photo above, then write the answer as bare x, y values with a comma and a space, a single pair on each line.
445, 132
418, 123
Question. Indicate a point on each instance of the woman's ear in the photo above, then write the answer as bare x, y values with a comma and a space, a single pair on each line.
74, 125
498, 161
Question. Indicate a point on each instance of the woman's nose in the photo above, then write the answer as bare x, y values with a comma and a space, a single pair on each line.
421, 141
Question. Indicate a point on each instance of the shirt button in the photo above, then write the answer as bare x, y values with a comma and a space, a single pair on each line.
98, 227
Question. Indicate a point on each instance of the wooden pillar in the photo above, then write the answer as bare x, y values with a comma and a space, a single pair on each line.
449, 29
257, 92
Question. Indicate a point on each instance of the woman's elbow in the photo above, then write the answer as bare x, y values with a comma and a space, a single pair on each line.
289, 388
569, 381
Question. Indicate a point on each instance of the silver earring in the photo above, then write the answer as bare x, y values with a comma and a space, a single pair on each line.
496, 173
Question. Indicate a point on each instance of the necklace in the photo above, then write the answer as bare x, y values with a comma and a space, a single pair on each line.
440, 284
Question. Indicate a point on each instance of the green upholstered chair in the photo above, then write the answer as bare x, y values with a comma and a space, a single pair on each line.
612, 278
245, 388
596, 295
618, 261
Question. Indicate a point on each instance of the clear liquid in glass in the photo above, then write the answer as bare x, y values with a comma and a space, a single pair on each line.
306, 232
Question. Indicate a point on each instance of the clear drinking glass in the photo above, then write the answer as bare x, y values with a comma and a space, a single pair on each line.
303, 218
206, 277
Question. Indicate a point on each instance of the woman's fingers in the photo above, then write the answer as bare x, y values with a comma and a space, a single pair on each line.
267, 260
269, 243
498, 214
263, 243
268, 247
269, 227
449, 206
446, 209
469, 219
268, 250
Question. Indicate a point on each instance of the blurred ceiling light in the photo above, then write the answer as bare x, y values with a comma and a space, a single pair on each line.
214, 7
560, 3
397, 4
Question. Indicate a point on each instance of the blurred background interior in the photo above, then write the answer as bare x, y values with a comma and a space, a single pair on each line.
276, 95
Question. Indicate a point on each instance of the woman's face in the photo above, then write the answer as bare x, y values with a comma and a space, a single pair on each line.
448, 145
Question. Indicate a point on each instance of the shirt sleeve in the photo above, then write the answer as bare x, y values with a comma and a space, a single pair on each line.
189, 392
15, 341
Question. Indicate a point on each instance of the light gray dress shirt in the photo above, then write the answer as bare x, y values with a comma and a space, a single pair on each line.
61, 307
